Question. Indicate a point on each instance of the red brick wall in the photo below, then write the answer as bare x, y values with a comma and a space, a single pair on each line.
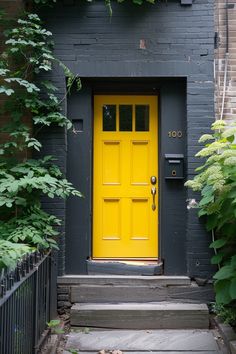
229, 111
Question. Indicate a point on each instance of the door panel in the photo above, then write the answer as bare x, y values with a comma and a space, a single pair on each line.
125, 223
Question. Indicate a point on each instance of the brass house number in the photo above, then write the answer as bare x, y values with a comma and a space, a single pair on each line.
175, 134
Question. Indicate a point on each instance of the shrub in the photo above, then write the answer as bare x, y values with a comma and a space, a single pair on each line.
216, 180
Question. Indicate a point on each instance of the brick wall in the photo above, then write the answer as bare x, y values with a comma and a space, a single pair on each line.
168, 40
164, 40
229, 106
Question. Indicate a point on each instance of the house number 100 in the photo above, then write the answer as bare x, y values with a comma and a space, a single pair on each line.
175, 134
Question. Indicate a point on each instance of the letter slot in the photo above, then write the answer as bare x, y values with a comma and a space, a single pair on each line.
174, 166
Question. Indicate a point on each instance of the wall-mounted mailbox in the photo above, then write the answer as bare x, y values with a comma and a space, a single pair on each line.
174, 166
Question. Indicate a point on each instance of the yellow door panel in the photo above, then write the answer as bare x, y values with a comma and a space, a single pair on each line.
125, 212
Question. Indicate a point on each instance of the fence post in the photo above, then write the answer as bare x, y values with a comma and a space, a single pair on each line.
53, 284
36, 275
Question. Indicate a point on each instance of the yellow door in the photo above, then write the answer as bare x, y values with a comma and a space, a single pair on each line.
125, 212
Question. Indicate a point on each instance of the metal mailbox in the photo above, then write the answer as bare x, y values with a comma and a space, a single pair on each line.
174, 166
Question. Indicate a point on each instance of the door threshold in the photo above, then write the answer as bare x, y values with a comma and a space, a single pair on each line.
124, 267
136, 261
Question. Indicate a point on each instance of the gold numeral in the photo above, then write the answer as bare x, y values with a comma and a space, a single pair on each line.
175, 134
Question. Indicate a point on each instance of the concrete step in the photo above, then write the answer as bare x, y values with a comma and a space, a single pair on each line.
163, 315
144, 342
129, 280
117, 288
141, 293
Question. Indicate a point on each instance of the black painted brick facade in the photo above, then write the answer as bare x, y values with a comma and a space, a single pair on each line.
179, 42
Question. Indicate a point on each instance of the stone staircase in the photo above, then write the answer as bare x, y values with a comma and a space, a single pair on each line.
137, 302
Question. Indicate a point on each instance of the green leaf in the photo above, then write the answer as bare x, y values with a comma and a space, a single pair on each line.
230, 138
225, 272
218, 243
212, 221
232, 289
233, 261
217, 258
206, 200
222, 289
202, 212
53, 323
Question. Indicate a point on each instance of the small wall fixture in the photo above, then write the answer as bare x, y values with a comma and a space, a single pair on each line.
174, 166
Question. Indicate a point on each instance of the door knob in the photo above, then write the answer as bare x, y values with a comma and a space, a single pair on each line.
153, 180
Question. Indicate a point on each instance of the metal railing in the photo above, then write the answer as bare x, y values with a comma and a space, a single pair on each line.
25, 301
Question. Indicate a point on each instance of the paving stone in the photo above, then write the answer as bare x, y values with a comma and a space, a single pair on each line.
156, 341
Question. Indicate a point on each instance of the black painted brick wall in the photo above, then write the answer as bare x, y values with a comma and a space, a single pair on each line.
179, 41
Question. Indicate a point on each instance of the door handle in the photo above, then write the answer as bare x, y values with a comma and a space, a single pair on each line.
153, 192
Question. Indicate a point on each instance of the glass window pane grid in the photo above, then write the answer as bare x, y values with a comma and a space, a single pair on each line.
139, 123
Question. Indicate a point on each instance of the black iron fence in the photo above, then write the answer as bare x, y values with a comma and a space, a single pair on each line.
26, 303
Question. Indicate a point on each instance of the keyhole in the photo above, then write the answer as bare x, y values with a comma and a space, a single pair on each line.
173, 173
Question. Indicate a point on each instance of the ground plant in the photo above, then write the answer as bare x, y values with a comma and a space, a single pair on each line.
216, 181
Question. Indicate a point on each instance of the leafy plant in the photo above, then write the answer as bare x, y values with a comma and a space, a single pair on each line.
55, 327
11, 252
216, 180
226, 313
73, 351
30, 103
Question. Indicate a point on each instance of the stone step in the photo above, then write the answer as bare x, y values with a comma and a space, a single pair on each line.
129, 280
124, 268
140, 341
141, 293
163, 315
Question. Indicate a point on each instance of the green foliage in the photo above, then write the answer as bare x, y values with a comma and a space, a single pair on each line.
11, 252
226, 313
55, 327
29, 47
73, 351
24, 181
34, 227
216, 180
